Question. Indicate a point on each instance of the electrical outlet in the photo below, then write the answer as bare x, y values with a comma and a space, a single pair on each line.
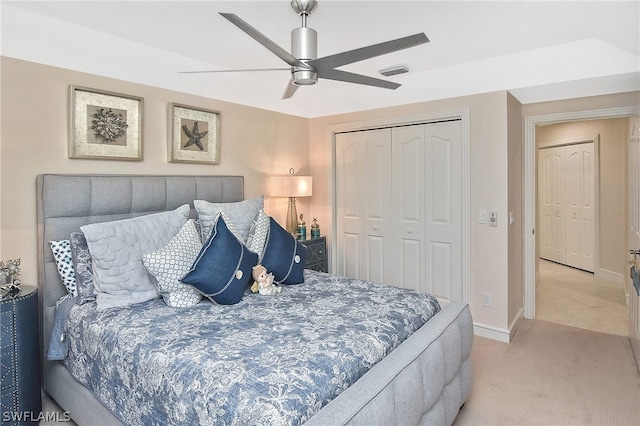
486, 299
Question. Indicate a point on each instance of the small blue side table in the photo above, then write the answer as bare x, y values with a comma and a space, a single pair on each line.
20, 400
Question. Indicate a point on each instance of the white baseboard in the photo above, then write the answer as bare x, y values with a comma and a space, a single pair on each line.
499, 334
491, 332
610, 275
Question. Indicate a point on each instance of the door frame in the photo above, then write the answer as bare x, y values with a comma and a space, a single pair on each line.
530, 152
461, 114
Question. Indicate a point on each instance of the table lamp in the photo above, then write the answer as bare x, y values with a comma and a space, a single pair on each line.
291, 186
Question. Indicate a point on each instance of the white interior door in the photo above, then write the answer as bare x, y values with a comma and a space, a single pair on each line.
566, 188
580, 198
443, 195
363, 191
552, 203
399, 207
408, 250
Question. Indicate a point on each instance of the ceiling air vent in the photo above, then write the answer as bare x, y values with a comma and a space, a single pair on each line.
394, 70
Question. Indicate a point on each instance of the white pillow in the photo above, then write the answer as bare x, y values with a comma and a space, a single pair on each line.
171, 262
62, 255
120, 277
241, 214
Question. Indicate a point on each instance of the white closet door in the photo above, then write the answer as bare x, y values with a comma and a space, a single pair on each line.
580, 197
363, 203
399, 207
551, 195
566, 192
443, 195
408, 251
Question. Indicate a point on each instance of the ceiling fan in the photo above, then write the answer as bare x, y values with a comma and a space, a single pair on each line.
304, 64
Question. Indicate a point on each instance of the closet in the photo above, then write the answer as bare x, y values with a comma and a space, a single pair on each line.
566, 197
399, 207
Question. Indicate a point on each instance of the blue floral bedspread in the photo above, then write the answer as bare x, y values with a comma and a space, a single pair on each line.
270, 360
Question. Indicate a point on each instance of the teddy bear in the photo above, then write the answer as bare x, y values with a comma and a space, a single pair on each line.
264, 282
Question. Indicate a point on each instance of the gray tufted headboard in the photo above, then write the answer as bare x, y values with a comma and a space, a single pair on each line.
66, 202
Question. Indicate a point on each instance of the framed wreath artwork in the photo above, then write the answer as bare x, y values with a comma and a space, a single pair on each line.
194, 135
104, 125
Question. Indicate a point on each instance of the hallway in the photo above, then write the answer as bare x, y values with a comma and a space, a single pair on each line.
576, 298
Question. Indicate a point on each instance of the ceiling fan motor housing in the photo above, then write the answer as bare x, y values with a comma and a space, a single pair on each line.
304, 46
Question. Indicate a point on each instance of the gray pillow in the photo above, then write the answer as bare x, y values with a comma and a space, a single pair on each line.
241, 215
119, 276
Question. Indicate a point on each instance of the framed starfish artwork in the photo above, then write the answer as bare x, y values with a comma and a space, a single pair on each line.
104, 125
194, 135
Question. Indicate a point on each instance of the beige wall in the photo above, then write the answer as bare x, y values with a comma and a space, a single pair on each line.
254, 143
613, 182
489, 189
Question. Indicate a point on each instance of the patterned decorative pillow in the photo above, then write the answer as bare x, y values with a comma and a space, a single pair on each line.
240, 213
171, 262
283, 255
222, 270
62, 255
119, 277
258, 234
81, 259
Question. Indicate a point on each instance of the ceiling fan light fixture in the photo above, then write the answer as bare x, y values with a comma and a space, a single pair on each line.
303, 76
394, 70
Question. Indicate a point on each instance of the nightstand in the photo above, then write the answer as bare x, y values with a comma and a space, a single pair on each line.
317, 254
19, 355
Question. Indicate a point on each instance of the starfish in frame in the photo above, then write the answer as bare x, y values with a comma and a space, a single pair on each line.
195, 136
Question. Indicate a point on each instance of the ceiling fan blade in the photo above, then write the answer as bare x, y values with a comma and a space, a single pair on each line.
351, 56
289, 90
262, 39
350, 77
242, 70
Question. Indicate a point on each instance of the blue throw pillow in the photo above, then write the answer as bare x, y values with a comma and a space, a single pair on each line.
283, 255
222, 270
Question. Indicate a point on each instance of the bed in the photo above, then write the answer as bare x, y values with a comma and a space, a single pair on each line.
421, 378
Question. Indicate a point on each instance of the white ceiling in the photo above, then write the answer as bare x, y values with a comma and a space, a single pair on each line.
538, 50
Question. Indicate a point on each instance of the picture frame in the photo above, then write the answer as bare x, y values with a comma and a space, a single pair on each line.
194, 135
104, 125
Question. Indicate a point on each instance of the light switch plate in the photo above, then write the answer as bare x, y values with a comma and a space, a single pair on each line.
482, 217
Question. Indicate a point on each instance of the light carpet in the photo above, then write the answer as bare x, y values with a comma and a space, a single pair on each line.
553, 374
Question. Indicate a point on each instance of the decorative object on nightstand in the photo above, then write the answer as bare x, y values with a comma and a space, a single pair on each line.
302, 228
19, 352
315, 228
291, 186
317, 254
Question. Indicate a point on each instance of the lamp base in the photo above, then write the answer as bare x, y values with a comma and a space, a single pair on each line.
292, 216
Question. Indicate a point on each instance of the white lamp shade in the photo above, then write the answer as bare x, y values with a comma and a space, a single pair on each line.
291, 186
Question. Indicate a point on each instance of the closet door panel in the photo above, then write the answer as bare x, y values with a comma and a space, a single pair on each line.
587, 209
363, 188
552, 203
408, 242
443, 191
573, 201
